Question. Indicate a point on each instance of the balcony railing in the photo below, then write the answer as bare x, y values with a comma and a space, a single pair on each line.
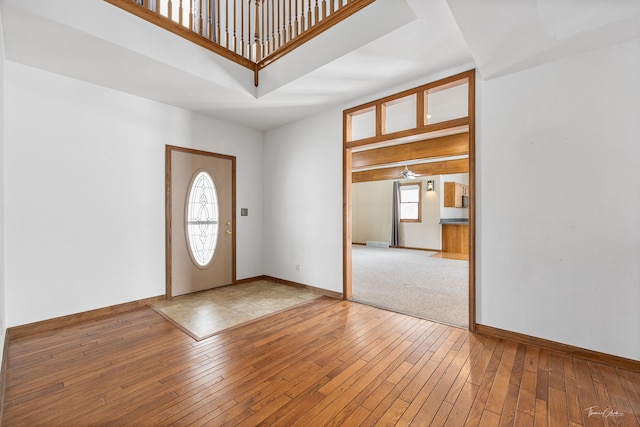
253, 33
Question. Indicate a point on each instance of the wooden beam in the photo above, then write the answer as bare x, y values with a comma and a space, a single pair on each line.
451, 145
426, 169
435, 127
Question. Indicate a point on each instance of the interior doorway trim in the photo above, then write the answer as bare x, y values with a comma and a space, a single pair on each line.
167, 179
469, 121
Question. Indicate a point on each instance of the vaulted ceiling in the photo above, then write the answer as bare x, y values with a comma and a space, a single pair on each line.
388, 43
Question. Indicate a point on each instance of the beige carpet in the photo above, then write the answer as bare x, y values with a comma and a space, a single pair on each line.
412, 282
204, 314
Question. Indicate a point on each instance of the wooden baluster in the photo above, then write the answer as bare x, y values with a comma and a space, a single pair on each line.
191, 14
331, 7
284, 22
265, 28
250, 53
235, 25
218, 22
242, 26
309, 17
317, 13
273, 26
279, 39
324, 9
274, 19
200, 21
287, 22
158, 7
264, 35
296, 28
260, 17
170, 10
180, 13
226, 24
257, 33
210, 7
290, 23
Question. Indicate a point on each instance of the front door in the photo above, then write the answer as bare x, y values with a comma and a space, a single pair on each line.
200, 220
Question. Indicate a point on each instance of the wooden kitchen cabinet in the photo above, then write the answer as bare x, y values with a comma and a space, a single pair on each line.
456, 195
455, 238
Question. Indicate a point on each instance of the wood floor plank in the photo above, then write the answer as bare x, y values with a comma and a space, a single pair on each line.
631, 387
524, 420
542, 385
527, 393
393, 414
488, 377
427, 413
508, 415
542, 413
352, 389
489, 419
531, 358
558, 415
586, 391
574, 407
475, 350
440, 418
462, 406
328, 363
496, 398
478, 371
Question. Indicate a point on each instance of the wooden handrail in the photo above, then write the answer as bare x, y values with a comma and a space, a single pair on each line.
261, 33
343, 12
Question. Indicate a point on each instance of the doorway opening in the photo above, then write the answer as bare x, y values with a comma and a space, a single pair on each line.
423, 135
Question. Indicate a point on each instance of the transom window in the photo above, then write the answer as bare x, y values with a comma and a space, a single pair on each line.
202, 219
411, 202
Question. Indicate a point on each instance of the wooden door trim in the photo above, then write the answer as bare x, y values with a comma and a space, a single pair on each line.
470, 120
167, 179
472, 200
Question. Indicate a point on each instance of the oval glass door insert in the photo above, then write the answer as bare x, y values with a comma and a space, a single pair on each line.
202, 219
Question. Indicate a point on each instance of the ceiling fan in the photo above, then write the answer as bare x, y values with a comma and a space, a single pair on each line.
406, 173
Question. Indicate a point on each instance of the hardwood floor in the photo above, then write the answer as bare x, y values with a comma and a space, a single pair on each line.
329, 362
450, 255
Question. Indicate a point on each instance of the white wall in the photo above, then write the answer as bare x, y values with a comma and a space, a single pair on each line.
3, 320
85, 193
462, 178
427, 233
371, 207
559, 201
303, 201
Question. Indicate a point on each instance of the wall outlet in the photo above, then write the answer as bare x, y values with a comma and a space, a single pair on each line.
297, 267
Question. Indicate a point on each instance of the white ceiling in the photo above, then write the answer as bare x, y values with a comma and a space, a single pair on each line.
383, 46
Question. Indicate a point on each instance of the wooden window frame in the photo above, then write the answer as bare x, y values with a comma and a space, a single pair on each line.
407, 184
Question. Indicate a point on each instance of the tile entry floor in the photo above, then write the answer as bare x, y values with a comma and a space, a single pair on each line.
206, 313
